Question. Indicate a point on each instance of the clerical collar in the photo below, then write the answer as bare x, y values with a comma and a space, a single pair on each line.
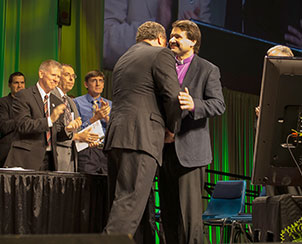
184, 61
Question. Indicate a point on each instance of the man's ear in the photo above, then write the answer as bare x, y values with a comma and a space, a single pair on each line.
85, 84
161, 41
41, 73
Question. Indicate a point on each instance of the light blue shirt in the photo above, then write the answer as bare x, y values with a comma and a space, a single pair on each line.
85, 107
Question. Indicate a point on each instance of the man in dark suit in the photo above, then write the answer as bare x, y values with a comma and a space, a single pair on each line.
16, 82
189, 150
145, 90
37, 113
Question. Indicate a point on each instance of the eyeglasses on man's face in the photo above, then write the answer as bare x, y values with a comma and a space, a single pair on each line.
74, 76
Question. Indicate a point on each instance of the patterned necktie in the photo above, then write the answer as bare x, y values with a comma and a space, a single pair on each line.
94, 106
48, 133
67, 114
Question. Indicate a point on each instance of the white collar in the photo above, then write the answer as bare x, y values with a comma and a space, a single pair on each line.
61, 92
42, 92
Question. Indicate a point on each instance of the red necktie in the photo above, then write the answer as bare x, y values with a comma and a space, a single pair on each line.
48, 133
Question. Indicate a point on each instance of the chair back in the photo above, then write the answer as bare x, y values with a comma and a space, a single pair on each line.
227, 199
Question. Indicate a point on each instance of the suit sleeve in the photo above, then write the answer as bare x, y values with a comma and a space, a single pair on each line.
211, 102
22, 111
165, 76
7, 125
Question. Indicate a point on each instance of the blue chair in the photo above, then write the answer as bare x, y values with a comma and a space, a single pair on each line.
226, 207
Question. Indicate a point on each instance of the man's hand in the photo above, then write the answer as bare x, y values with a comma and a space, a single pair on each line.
185, 100
105, 110
169, 136
101, 113
86, 136
56, 112
94, 144
74, 125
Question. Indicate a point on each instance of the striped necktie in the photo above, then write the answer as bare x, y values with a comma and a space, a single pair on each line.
48, 133
67, 114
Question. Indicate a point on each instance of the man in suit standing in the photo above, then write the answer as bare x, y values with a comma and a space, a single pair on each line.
37, 114
16, 82
67, 154
188, 151
145, 90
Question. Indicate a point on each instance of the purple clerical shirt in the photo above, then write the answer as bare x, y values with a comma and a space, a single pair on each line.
182, 67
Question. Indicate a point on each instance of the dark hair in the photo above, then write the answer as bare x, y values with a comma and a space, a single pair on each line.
10, 79
192, 30
93, 73
150, 30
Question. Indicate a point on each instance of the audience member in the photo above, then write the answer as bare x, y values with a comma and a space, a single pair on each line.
93, 107
145, 90
38, 121
16, 82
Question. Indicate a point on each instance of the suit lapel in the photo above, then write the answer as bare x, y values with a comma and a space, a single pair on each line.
57, 93
37, 96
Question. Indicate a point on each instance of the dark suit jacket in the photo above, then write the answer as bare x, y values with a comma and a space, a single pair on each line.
65, 159
29, 148
192, 142
7, 126
145, 89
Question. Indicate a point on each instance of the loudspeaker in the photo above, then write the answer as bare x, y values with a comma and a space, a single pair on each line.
64, 12
66, 239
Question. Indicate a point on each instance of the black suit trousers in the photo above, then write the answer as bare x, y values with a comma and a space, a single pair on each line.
180, 200
130, 178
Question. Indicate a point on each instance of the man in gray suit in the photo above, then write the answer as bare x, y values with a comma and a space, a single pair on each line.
145, 90
189, 150
67, 154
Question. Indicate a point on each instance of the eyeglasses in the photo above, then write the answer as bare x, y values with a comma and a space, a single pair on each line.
74, 76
